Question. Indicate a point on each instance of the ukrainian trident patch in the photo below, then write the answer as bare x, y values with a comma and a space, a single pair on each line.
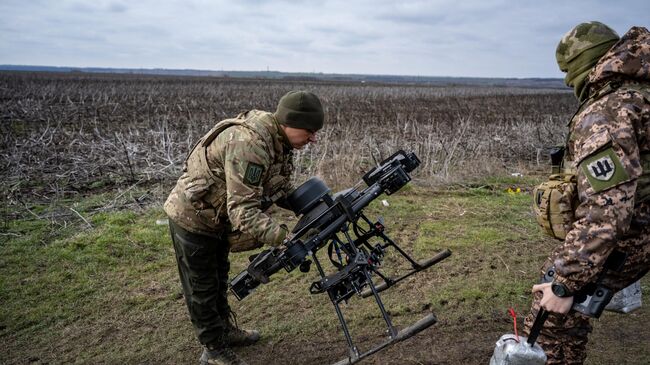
604, 170
253, 174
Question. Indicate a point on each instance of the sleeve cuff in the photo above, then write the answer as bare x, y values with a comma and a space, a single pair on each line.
283, 232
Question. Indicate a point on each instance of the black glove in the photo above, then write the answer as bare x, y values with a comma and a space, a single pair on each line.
260, 263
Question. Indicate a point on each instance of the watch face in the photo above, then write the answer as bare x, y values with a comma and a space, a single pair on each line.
560, 290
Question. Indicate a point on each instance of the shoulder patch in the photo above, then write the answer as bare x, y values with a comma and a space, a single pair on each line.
253, 174
604, 170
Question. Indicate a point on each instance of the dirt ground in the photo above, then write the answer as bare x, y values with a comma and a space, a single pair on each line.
617, 339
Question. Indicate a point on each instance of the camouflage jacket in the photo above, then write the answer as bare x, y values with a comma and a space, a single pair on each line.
609, 146
231, 176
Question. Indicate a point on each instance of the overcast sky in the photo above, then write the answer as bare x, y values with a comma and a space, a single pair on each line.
478, 38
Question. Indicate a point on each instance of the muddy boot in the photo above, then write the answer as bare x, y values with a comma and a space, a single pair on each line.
220, 356
240, 337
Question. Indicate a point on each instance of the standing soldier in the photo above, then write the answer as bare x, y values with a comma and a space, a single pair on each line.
607, 166
232, 175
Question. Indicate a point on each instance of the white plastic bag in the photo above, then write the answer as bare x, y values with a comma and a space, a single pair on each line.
627, 299
510, 352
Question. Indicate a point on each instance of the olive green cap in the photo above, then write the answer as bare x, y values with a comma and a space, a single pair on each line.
581, 38
300, 109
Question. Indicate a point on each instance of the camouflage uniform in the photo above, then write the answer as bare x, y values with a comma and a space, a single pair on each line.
236, 166
237, 170
609, 148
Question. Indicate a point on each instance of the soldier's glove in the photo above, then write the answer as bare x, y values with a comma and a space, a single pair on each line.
259, 263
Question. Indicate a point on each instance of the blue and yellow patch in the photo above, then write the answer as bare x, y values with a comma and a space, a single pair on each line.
604, 170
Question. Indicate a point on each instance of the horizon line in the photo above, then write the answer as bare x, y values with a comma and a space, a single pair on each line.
17, 67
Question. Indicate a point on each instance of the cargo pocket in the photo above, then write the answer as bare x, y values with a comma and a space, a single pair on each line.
217, 199
554, 204
200, 263
192, 255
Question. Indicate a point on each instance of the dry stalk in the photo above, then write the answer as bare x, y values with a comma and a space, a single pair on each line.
64, 136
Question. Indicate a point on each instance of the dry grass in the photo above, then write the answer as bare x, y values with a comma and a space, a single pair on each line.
64, 135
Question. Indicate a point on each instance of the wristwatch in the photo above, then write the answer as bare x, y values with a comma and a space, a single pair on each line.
560, 290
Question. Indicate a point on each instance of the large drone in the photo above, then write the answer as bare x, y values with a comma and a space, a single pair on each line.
338, 223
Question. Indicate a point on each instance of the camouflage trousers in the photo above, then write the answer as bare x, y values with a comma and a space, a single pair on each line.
203, 268
564, 337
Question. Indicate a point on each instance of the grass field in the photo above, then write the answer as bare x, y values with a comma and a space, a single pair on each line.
105, 289
87, 275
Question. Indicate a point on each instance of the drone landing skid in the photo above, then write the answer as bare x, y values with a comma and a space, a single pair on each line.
424, 323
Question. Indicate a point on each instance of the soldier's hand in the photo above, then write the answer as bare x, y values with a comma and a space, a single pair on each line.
259, 265
552, 302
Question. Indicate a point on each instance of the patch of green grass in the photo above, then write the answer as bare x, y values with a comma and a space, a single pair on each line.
57, 278
479, 220
111, 293
511, 181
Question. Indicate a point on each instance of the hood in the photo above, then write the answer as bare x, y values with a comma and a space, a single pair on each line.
628, 59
